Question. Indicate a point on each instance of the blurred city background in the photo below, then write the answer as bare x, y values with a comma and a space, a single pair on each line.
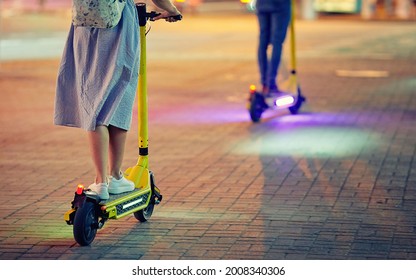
43, 23
403, 9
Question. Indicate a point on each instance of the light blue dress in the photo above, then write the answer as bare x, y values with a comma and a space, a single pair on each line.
98, 75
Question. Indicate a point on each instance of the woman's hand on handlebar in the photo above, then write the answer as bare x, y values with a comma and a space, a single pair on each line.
168, 16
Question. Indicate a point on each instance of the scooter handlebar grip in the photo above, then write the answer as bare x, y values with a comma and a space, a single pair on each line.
153, 14
177, 17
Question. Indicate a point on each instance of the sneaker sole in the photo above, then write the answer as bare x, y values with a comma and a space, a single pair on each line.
119, 191
105, 197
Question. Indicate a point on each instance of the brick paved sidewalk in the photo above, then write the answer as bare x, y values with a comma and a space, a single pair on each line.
334, 182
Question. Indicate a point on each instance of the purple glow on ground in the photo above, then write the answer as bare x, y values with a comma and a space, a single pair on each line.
326, 134
201, 114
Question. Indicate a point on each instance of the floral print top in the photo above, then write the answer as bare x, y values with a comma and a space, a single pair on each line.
97, 13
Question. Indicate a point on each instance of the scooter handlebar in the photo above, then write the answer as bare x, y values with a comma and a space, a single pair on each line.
143, 15
154, 14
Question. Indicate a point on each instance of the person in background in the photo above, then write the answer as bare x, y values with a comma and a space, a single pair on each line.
274, 18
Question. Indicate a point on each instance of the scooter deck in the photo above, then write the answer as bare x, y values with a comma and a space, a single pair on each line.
120, 205
114, 197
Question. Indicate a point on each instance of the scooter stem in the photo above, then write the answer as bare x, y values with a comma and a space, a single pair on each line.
142, 109
292, 38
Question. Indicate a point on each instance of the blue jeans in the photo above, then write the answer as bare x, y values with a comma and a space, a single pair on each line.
273, 29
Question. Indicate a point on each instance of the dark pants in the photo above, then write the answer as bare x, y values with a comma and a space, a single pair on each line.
273, 29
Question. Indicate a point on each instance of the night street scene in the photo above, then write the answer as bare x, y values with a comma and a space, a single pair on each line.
242, 179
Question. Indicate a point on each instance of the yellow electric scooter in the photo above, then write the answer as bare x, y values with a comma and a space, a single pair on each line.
292, 98
88, 213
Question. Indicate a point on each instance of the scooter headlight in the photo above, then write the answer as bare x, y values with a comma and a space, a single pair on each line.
284, 101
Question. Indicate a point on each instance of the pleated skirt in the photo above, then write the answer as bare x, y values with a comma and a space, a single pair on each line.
98, 75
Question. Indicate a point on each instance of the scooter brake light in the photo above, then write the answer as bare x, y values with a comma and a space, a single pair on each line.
284, 101
252, 88
80, 189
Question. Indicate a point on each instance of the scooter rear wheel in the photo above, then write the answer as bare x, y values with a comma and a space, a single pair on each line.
256, 107
85, 224
144, 214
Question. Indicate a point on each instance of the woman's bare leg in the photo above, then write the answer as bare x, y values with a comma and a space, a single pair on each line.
117, 143
99, 141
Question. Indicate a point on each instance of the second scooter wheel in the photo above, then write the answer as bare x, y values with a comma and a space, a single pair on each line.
257, 106
299, 100
85, 224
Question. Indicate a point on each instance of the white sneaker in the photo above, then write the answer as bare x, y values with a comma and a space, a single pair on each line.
100, 189
120, 186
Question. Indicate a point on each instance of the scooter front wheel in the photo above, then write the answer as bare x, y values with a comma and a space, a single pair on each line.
144, 214
299, 100
85, 224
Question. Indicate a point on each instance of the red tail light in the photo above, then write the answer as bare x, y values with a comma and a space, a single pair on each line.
80, 189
